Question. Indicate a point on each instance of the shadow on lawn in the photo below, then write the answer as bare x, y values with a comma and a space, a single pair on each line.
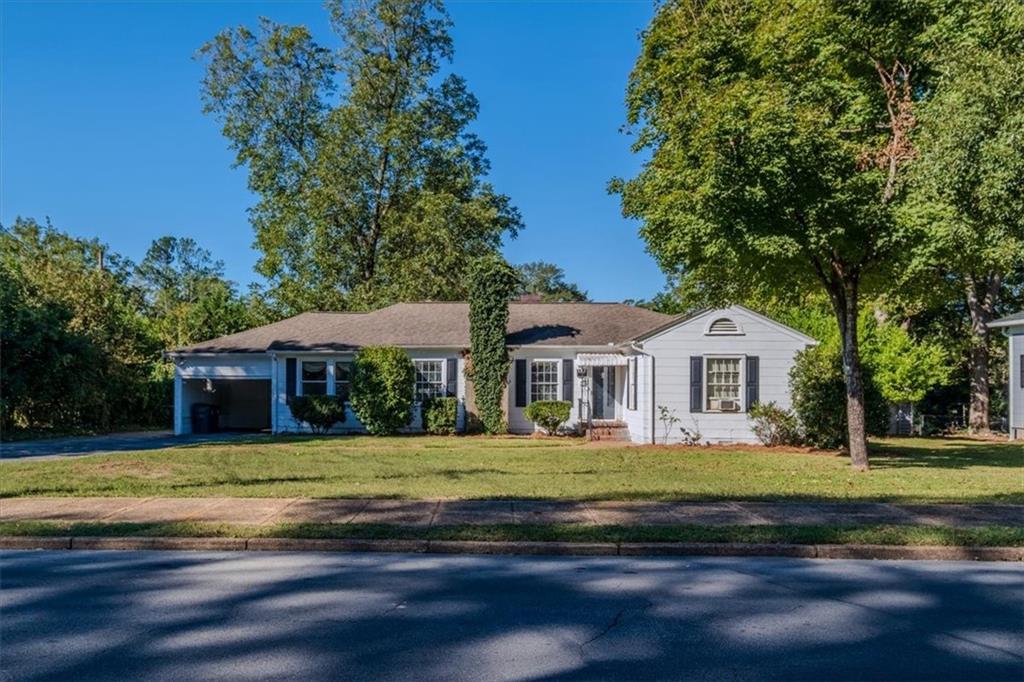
945, 455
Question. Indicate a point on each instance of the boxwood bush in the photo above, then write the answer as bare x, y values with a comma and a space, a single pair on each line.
548, 414
440, 415
383, 382
321, 412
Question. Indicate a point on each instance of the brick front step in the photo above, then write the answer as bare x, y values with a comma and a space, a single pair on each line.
612, 432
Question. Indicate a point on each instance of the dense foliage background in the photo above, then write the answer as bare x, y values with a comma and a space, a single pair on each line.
83, 329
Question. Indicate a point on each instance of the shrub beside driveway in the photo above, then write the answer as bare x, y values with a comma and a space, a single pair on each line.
904, 470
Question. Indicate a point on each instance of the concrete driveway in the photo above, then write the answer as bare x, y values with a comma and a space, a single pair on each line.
273, 616
52, 448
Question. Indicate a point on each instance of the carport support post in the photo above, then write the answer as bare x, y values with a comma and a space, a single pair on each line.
179, 402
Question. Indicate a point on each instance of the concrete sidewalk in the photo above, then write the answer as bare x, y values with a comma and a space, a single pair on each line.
268, 511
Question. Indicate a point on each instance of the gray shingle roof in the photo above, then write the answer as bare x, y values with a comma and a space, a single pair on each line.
440, 325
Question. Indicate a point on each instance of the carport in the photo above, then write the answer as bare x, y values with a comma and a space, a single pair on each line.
239, 387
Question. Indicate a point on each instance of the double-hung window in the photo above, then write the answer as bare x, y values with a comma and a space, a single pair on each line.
543, 380
314, 377
722, 384
429, 379
342, 379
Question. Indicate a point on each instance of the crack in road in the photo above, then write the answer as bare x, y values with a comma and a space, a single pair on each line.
615, 621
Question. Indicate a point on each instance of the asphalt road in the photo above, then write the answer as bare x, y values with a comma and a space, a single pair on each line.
169, 615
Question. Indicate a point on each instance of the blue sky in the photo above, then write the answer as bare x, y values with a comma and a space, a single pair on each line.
101, 129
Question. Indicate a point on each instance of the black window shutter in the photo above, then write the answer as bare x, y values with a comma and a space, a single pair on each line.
289, 378
1022, 371
452, 376
696, 383
753, 380
568, 376
520, 383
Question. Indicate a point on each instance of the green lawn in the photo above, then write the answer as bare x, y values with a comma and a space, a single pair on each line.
906, 470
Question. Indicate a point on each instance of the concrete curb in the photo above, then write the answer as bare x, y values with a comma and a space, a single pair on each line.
889, 552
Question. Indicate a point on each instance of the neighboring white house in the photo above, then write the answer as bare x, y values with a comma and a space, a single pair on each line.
617, 364
1013, 327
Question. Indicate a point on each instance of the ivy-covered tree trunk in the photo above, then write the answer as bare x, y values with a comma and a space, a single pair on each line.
493, 283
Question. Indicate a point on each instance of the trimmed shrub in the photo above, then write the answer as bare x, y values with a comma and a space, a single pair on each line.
819, 398
321, 412
440, 415
383, 382
548, 414
773, 425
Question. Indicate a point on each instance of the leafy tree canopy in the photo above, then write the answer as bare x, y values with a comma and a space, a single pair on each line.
778, 135
371, 187
547, 281
187, 295
76, 350
966, 185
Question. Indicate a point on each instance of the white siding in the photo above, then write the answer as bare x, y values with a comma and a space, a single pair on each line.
1016, 393
638, 420
284, 422
671, 350
517, 421
225, 367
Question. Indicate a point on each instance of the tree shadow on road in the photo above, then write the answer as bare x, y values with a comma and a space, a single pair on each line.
134, 615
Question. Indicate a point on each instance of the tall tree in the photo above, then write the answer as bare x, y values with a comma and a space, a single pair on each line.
547, 281
778, 135
967, 184
174, 269
371, 188
187, 296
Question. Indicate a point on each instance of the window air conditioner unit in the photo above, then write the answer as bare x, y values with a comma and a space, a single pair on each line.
729, 406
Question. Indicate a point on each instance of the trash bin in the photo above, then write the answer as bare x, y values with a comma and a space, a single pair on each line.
205, 418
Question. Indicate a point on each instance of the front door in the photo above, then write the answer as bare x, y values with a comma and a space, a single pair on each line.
602, 399
597, 397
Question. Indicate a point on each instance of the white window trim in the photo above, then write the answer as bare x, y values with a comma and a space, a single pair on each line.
743, 382
529, 377
332, 388
300, 389
444, 375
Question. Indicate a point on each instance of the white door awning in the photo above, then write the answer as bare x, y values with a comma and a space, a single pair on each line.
600, 359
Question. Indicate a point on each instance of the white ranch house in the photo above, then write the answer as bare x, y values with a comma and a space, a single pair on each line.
1013, 327
617, 364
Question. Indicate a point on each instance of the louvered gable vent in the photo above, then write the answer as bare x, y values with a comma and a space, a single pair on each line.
723, 325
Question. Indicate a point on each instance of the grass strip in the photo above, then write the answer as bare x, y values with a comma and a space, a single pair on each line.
989, 536
420, 467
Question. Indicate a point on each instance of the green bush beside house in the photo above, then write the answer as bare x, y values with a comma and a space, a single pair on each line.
321, 412
819, 398
548, 414
440, 415
383, 383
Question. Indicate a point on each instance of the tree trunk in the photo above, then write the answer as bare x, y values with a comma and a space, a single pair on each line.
844, 303
981, 301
